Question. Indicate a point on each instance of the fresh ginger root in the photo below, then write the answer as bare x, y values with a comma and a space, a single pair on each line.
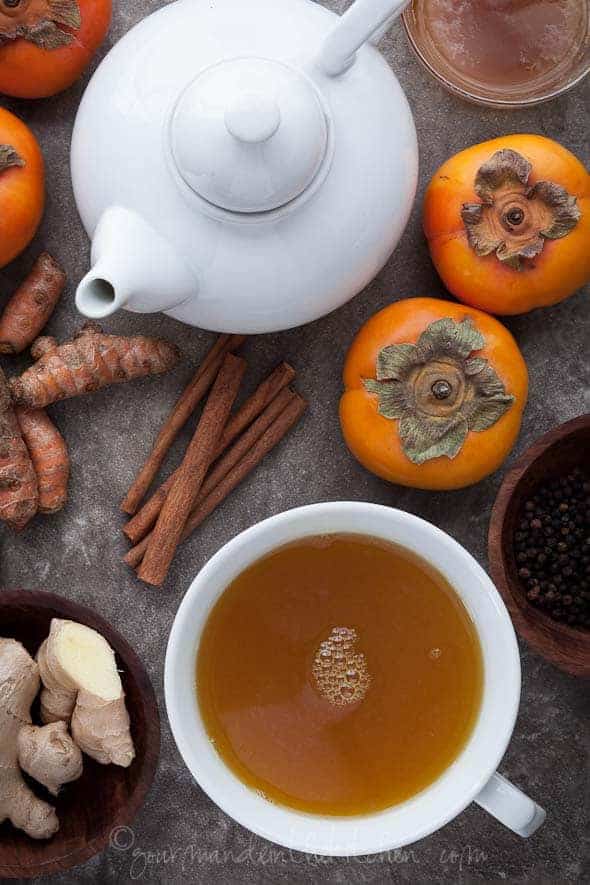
90, 361
19, 684
82, 685
49, 454
32, 304
19, 496
49, 755
58, 697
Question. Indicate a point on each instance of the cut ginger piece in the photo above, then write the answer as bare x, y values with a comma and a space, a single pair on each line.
82, 686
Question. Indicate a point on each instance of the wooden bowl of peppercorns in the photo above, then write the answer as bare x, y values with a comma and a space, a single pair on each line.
539, 545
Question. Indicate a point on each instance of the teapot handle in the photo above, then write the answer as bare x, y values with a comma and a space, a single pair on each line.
358, 24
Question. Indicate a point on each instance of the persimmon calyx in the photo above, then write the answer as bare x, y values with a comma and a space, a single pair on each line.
9, 157
40, 22
437, 389
513, 219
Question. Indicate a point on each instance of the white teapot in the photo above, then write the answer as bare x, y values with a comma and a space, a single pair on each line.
243, 166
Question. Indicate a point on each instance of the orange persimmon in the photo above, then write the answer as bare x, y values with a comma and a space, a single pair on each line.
22, 186
45, 45
434, 394
508, 224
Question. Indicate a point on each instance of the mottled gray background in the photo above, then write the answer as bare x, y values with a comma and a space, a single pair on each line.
180, 836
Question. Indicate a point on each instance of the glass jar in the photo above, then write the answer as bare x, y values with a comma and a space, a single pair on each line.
502, 53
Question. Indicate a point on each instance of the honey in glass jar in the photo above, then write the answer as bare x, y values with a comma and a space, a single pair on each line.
502, 51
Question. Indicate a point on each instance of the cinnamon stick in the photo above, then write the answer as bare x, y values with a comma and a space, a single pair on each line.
191, 473
185, 406
255, 404
144, 519
205, 506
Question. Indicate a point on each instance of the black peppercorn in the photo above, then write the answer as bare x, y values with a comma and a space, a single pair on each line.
552, 548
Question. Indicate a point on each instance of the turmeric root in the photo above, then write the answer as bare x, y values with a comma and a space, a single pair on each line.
49, 454
19, 496
32, 304
49, 755
81, 681
90, 361
19, 683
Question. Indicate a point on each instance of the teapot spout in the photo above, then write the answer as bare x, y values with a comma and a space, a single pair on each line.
134, 267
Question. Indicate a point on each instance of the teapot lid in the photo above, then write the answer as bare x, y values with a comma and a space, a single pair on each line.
249, 134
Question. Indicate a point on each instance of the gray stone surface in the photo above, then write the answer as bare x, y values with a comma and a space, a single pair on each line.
180, 836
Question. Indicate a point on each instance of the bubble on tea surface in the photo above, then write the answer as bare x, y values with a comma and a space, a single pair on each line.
340, 672
434, 653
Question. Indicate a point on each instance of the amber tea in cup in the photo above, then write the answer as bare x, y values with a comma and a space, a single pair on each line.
339, 675
502, 52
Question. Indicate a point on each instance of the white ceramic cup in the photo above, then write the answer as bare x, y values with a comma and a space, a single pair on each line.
471, 777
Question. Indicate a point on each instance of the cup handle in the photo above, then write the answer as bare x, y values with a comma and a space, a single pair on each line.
511, 806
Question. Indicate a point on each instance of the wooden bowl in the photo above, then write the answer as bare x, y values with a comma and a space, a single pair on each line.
106, 796
557, 452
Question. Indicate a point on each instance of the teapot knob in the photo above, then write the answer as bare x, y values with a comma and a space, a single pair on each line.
249, 134
253, 118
